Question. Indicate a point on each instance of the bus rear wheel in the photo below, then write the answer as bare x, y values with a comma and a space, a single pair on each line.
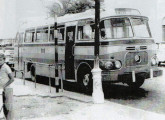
84, 77
137, 84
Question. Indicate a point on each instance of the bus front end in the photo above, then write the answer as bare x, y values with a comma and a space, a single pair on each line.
127, 51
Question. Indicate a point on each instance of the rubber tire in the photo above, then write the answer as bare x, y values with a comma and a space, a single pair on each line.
82, 71
139, 82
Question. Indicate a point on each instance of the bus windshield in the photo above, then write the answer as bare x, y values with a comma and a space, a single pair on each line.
121, 28
140, 27
116, 28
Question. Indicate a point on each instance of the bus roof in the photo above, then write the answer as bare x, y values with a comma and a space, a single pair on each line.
87, 15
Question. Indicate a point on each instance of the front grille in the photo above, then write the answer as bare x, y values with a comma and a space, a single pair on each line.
143, 47
130, 48
130, 59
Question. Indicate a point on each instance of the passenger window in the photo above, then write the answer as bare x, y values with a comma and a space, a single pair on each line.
85, 32
105, 31
60, 34
42, 35
51, 36
29, 37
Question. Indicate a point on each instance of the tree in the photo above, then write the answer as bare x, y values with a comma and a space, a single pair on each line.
79, 6
70, 6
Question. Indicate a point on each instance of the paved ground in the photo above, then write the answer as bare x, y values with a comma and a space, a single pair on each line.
121, 103
150, 97
30, 102
39, 104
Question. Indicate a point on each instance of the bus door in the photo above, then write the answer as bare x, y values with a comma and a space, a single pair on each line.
69, 51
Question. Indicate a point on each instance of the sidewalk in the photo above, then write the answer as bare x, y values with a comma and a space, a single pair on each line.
38, 103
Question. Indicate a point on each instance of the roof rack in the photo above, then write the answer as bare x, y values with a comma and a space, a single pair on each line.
127, 11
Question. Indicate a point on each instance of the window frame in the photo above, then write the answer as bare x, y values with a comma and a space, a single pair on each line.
41, 30
91, 24
113, 30
147, 26
51, 28
32, 31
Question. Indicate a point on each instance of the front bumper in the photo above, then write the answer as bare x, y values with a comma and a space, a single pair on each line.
118, 76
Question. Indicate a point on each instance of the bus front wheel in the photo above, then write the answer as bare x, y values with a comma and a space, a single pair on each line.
139, 82
84, 77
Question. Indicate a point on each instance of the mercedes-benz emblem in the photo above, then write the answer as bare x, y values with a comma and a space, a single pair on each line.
137, 58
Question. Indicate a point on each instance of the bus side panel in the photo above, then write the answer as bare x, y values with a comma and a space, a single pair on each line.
43, 56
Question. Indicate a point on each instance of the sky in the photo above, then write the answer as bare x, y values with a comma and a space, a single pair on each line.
7, 18
1, 15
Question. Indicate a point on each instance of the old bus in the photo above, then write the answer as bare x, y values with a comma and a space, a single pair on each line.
127, 49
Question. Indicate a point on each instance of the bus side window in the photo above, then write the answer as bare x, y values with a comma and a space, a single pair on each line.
42, 35
80, 33
61, 34
108, 29
102, 30
93, 31
29, 37
84, 32
51, 36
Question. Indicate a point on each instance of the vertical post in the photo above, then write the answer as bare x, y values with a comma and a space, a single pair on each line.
8, 103
151, 73
18, 54
24, 73
60, 76
97, 95
15, 75
35, 79
133, 76
56, 54
97, 23
50, 79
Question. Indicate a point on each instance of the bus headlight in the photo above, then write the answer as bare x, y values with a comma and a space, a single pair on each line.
154, 61
118, 64
108, 65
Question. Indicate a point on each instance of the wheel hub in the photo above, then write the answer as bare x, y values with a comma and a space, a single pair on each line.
86, 79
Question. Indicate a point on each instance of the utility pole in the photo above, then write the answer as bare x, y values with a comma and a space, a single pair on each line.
57, 11
97, 23
97, 95
56, 53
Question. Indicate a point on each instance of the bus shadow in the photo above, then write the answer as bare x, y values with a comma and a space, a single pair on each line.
42, 80
111, 91
116, 91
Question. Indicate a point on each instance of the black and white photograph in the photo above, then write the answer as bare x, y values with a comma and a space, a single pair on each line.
82, 60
